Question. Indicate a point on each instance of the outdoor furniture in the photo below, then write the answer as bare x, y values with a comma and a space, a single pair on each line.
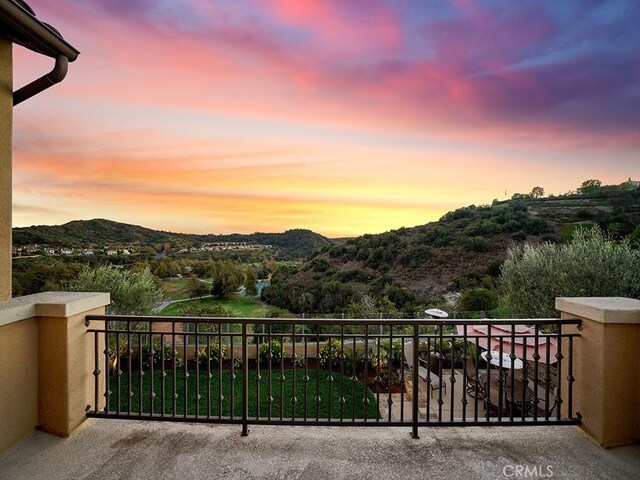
434, 381
475, 388
508, 394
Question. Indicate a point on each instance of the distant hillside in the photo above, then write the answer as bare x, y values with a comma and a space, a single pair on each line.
464, 249
295, 244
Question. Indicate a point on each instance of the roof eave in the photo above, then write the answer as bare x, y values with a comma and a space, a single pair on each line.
23, 28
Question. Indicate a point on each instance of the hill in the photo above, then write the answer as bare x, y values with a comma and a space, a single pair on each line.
291, 245
464, 249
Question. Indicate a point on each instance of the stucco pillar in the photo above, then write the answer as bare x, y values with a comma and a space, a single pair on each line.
606, 367
6, 121
46, 363
66, 361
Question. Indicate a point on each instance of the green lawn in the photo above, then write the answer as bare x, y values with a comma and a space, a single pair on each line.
240, 307
314, 393
174, 289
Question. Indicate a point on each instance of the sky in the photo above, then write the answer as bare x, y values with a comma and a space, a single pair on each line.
343, 117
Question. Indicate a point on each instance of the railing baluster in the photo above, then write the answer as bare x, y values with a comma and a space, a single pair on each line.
96, 372
570, 380
415, 380
185, 372
245, 381
151, 361
163, 374
294, 356
389, 368
174, 355
559, 358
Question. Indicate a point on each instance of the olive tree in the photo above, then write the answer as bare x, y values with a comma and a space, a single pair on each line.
132, 293
591, 265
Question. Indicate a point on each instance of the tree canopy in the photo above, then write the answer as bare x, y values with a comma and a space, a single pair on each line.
592, 265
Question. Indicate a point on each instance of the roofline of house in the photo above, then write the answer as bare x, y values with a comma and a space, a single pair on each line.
20, 25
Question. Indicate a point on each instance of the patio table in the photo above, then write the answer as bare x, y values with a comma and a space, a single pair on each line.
514, 396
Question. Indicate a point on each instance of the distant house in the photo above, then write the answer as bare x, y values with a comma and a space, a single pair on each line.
50, 251
112, 252
634, 183
87, 251
66, 251
126, 252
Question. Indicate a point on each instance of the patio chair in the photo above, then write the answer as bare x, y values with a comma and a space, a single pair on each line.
434, 381
475, 388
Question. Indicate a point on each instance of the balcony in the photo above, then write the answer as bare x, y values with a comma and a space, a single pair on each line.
63, 360
137, 449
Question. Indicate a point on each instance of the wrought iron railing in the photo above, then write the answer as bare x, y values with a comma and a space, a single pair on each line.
333, 372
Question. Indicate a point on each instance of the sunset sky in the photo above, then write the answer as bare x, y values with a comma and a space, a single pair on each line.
344, 117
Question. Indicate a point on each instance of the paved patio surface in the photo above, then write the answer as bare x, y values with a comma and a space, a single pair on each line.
117, 449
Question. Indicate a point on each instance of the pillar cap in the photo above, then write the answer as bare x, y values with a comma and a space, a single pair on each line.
51, 304
601, 309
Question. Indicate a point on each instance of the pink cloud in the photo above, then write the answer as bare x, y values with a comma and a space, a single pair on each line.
352, 26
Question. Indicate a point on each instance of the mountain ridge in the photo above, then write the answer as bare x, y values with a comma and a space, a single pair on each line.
293, 243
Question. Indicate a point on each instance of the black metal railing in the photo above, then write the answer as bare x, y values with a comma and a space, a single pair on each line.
333, 372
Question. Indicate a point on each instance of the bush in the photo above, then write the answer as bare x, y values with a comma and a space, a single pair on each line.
478, 244
132, 293
478, 299
275, 351
353, 362
154, 353
376, 361
592, 265
330, 353
212, 353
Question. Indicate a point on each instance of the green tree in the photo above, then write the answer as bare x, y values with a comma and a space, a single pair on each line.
250, 281
132, 293
227, 278
592, 265
195, 287
590, 186
537, 192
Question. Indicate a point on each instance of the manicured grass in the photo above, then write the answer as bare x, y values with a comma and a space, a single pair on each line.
282, 392
174, 289
240, 307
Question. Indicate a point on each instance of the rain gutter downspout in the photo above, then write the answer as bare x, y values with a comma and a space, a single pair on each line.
54, 76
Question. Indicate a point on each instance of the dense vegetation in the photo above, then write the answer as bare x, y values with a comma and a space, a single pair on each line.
402, 271
405, 268
591, 265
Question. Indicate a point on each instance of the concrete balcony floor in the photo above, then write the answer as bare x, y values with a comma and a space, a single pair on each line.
119, 449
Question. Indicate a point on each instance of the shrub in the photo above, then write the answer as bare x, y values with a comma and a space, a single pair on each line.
212, 353
330, 353
378, 358
132, 293
478, 244
353, 361
154, 353
478, 299
274, 350
591, 265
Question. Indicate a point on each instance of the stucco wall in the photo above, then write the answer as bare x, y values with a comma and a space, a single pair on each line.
606, 367
18, 381
6, 112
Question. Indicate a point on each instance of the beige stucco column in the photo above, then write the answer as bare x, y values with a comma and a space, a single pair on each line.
47, 363
6, 125
606, 367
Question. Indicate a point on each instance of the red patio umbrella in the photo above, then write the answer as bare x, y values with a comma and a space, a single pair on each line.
524, 342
